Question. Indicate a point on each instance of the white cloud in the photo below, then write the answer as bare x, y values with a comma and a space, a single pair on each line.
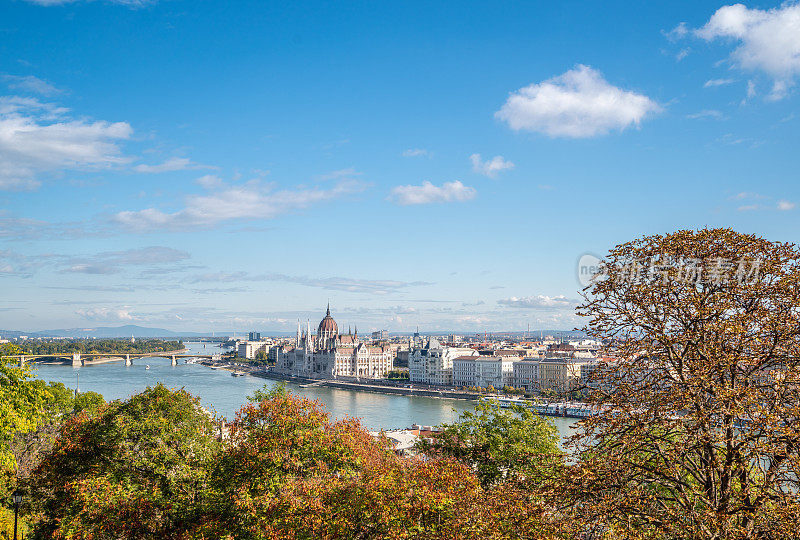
373, 286
490, 167
31, 84
769, 40
711, 83
210, 181
538, 302
742, 195
579, 103
678, 32
349, 172
38, 138
683, 53
172, 164
229, 202
707, 113
428, 193
417, 152
106, 314
782, 205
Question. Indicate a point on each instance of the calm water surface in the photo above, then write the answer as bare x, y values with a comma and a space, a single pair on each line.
224, 394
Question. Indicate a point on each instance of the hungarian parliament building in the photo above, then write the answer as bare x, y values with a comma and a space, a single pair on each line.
331, 355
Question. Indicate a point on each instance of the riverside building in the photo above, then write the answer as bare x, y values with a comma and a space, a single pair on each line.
331, 355
483, 371
433, 362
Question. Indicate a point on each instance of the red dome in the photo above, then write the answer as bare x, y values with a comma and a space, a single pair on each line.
328, 325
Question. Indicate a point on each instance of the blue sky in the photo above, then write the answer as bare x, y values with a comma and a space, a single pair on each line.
234, 165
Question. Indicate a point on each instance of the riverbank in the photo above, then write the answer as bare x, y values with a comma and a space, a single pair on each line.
366, 387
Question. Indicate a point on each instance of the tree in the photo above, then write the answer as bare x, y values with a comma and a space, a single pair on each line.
21, 403
268, 392
499, 444
139, 469
60, 403
700, 435
289, 471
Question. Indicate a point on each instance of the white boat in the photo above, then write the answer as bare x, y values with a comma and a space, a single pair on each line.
147, 366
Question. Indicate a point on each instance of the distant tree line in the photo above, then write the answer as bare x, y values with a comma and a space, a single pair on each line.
87, 346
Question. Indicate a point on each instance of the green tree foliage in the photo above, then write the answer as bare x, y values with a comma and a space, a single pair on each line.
156, 466
60, 403
500, 444
268, 392
86, 346
22, 403
139, 469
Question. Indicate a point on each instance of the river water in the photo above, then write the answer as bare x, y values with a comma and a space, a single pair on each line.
224, 394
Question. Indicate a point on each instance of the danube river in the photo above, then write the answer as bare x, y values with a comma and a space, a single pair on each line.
224, 394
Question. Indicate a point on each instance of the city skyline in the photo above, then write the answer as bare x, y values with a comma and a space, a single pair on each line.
190, 167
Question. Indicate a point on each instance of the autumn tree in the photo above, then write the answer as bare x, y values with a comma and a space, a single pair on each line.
499, 444
290, 471
22, 406
138, 469
699, 436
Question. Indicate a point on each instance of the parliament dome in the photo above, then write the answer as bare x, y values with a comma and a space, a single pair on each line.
328, 325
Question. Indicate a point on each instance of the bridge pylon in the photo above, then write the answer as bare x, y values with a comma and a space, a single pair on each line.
22, 361
174, 360
76, 360
128, 361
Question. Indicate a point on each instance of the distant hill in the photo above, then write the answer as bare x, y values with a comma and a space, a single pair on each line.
103, 332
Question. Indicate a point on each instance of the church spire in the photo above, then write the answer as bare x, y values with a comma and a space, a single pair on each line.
328, 313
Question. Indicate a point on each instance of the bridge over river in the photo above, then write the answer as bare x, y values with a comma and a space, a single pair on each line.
80, 359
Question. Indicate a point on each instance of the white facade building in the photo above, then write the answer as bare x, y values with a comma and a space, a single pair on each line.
483, 371
433, 363
249, 349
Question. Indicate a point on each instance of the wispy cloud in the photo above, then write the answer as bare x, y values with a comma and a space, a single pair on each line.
759, 202
373, 286
707, 113
30, 84
348, 173
538, 302
428, 193
683, 53
490, 167
106, 314
417, 152
226, 202
172, 164
579, 103
39, 138
713, 83
13, 264
109, 262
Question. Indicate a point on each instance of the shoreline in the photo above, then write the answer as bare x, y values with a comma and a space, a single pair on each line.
367, 387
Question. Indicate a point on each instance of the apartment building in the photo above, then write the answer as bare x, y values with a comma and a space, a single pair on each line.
526, 374
249, 349
433, 362
483, 371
